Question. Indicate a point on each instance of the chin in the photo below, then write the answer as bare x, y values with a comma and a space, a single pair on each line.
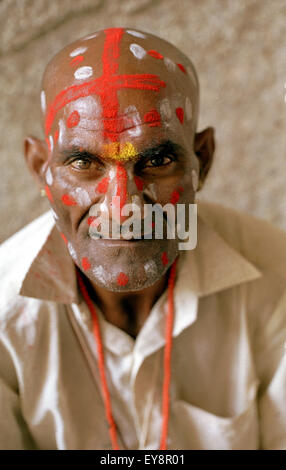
129, 269
128, 278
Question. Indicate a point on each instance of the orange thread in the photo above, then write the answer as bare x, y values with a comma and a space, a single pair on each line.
167, 361
96, 332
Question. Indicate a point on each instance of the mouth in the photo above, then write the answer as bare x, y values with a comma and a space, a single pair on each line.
121, 240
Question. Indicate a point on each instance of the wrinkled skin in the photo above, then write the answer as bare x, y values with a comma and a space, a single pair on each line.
75, 182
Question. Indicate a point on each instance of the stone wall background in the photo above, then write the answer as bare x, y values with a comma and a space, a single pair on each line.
238, 49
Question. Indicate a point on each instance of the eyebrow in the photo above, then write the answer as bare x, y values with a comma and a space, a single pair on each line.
77, 152
166, 146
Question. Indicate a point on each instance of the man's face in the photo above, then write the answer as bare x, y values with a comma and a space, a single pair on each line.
134, 143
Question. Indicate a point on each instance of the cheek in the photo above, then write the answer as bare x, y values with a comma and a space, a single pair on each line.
67, 193
64, 199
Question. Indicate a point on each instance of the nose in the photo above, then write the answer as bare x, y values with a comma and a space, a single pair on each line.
123, 188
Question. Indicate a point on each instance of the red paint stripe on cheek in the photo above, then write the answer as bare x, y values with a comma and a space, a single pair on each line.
121, 180
180, 114
139, 183
103, 185
68, 200
85, 264
122, 279
164, 258
73, 119
49, 194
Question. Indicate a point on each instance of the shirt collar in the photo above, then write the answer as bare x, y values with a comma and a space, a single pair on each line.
212, 266
52, 274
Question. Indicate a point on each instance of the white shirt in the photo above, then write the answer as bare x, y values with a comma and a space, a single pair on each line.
228, 383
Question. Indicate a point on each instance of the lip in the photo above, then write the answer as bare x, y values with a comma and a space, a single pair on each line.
123, 242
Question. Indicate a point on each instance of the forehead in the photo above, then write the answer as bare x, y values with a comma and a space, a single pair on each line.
117, 82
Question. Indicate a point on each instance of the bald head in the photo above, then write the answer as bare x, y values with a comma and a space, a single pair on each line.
128, 78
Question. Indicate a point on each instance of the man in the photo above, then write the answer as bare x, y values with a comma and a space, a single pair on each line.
136, 344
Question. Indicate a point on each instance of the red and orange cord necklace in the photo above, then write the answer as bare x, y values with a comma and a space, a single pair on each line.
167, 361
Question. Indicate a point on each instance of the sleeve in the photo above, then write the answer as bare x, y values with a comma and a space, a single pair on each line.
272, 372
14, 434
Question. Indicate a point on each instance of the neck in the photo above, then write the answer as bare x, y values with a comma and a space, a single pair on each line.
129, 310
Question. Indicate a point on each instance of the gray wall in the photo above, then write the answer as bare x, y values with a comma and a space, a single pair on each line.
239, 50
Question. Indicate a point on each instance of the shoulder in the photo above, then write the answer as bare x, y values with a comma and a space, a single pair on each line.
16, 255
264, 245
261, 242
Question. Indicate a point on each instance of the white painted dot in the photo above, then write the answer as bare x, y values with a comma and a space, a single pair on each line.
188, 108
135, 131
78, 51
195, 180
165, 109
133, 121
137, 51
171, 66
99, 272
43, 101
91, 36
49, 177
136, 34
83, 72
81, 196
150, 267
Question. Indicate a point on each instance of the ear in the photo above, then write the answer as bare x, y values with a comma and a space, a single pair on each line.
36, 155
204, 147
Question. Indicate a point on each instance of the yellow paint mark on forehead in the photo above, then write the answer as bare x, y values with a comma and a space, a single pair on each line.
120, 151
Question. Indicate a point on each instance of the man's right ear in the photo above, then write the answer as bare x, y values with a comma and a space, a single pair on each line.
36, 155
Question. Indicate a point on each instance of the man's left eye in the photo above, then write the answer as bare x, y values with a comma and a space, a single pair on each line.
160, 160
81, 164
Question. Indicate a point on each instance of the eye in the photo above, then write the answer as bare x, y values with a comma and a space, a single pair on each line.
159, 160
81, 164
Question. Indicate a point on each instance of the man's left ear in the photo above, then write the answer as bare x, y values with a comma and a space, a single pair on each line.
36, 155
204, 147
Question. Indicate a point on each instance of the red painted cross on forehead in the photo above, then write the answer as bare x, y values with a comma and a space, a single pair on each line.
106, 87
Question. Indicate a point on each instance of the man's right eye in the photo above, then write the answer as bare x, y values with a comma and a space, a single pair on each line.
81, 164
